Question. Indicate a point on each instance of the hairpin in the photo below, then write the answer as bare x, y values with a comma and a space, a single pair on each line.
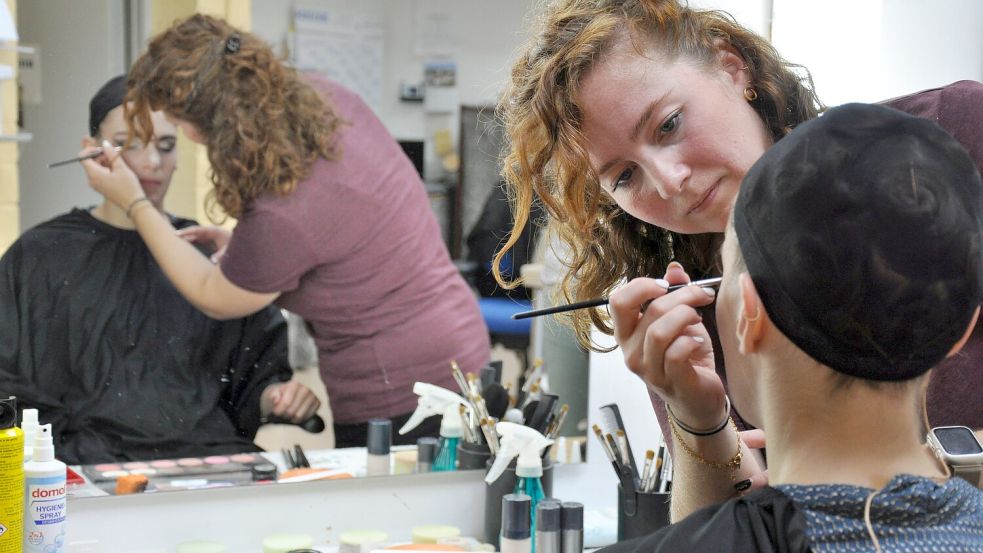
232, 44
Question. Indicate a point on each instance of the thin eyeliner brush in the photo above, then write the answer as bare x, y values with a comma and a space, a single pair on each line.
705, 283
93, 155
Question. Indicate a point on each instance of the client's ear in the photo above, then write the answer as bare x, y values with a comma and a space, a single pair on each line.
750, 327
89, 141
969, 331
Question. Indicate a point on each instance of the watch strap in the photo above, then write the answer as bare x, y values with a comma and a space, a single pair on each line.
969, 473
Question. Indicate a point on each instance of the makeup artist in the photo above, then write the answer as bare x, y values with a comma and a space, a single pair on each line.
94, 336
634, 122
334, 223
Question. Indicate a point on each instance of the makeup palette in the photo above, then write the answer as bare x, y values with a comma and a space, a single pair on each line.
183, 468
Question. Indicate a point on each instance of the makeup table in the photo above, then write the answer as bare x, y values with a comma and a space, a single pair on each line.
240, 516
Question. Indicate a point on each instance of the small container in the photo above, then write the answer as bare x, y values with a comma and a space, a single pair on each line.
263, 472
647, 513
498, 489
426, 452
433, 533
548, 535
472, 456
515, 517
380, 441
359, 541
572, 527
286, 542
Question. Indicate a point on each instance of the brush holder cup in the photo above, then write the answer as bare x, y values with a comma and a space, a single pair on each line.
642, 513
472, 456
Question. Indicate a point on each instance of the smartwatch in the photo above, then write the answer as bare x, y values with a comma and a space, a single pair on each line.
958, 447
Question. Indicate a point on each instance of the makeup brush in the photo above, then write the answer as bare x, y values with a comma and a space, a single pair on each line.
705, 283
93, 155
496, 400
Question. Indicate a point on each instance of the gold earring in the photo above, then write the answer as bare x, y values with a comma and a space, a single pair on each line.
750, 94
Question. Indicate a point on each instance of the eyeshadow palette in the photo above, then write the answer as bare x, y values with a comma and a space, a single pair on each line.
175, 468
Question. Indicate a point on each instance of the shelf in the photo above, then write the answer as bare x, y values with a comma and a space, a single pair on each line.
19, 137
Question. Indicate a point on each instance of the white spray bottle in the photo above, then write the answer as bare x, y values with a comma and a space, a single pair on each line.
45, 497
527, 445
435, 400
29, 424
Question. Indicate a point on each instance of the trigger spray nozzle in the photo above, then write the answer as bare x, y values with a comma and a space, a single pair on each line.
522, 442
434, 400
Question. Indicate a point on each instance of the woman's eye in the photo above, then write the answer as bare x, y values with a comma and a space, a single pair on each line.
133, 146
166, 145
670, 124
623, 179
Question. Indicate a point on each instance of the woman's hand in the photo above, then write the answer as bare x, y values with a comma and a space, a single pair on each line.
755, 440
215, 238
667, 345
289, 401
110, 176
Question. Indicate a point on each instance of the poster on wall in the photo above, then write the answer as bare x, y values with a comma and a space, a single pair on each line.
346, 47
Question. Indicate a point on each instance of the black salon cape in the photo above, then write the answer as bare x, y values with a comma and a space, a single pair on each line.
95, 337
763, 521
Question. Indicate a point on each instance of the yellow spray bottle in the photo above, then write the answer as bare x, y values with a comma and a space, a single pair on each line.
11, 479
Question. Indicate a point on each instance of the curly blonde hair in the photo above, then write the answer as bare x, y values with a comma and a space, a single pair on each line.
547, 158
262, 124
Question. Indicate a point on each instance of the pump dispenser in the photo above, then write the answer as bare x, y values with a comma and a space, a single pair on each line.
526, 445
434, 400
29, 424
450, 435
45, 497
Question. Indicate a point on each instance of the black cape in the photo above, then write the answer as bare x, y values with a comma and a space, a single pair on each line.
763, 521
95, 337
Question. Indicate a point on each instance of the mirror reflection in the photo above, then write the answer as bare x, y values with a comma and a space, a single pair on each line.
353, 265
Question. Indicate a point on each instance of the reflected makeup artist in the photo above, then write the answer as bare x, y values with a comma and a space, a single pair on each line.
308, 170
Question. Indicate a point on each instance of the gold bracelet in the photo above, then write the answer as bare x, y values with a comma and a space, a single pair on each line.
134, 204
733, 464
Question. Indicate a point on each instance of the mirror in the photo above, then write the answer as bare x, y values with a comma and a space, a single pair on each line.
78, 47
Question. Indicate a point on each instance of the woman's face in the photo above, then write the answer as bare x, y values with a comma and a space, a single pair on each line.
671, 141
154, 163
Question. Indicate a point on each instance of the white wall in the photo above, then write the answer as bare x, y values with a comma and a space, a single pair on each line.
485, 35
870, 50
81, 47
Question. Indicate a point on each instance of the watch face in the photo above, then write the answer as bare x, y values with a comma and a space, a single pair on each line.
957, 440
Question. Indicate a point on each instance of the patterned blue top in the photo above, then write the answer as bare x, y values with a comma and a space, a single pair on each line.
910, 515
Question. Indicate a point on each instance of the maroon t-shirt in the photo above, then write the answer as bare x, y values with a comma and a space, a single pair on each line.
356, 251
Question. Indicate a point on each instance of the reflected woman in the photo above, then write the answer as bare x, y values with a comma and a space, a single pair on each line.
94, 336
333, 221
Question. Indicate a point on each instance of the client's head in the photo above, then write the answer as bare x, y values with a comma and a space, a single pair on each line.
854, 249
153, 163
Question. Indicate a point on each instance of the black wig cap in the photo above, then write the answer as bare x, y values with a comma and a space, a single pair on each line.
862, 233
109, 97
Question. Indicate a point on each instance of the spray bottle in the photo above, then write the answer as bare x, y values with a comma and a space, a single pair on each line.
435, 400
526, 444
44, 501
450, 435
29, 424
11, 478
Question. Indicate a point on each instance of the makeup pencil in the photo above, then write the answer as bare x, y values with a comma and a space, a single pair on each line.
596, 302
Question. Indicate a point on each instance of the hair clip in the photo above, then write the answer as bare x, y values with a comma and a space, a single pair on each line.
232, 44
